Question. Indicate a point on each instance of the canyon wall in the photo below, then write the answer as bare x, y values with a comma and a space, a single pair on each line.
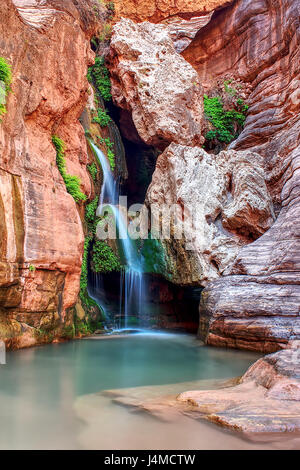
252, 291
159, 10
256, 306
247, 252
48, 46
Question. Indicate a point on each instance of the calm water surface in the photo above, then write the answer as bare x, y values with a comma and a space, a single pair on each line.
49, 396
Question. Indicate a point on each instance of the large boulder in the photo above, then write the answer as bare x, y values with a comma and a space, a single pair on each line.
155, 84
226, 202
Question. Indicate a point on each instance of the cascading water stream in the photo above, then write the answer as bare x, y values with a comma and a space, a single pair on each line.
132, 283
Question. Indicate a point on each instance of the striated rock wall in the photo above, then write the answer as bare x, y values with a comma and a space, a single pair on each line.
158, 10
257, 306
47, 44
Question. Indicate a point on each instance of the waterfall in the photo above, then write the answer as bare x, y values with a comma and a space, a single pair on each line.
132, 282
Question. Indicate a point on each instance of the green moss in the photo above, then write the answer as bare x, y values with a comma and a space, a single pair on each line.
68, 332
104, 259
98, 74
155, 258
84, 296
83, 328
72, 182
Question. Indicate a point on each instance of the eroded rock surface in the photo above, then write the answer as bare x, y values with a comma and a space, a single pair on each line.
257, 306
154, 83
158, 10
226, 205
267, 399
183, 31
41, 231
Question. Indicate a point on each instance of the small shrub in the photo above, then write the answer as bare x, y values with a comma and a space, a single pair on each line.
93, 170
104, 259
90, 210
110, 153
5, 73
106, 33
226, 124
84, 296
6, 79
103, 119
99, 75
72, 182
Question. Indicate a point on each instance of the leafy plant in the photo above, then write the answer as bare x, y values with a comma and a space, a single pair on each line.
106, 33
32, 268
90, 211
104, 259
110, 153
228, 89
93, 170
226, 124
5, 73
103, 119
72, 182
84, 296
6, 79
99, 75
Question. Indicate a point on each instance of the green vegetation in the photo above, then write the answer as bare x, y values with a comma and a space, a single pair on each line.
105, 35
72, 182
68, 332
93, 170
226, 124
98, 74
6, 78
102, 118
111, 7
86, 327
5, 73
155, 258
32, 268
110, 152
231, 91
104, 259
84, 296
44, 335
90, 211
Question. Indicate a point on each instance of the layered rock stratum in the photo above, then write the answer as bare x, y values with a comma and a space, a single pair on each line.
159, 10
41, 245
258, 42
